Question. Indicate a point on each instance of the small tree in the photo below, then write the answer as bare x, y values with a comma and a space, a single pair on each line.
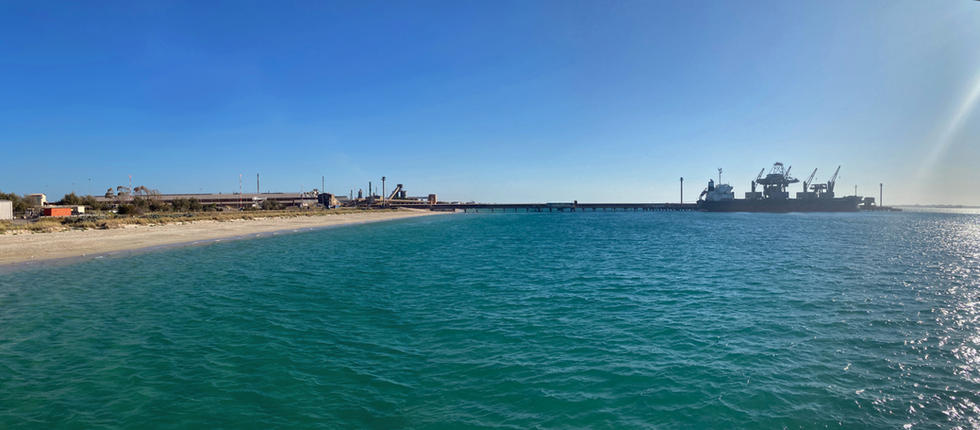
270, 205
156, 205
123, 192
141, 203
19, 203
70, 199
180, 205
91, 202
130, 209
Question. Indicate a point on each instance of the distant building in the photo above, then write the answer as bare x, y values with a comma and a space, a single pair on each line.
37, 200
6, 209
234, 200
328, 200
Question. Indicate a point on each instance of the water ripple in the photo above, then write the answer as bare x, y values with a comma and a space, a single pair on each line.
618, 320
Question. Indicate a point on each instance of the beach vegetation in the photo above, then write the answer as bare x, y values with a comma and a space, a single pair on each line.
271, 205
71, 199
136, 213
130, 209
184, 205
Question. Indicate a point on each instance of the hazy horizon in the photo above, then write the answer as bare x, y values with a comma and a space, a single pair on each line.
494, 102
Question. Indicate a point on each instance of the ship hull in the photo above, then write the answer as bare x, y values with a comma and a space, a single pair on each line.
842, 204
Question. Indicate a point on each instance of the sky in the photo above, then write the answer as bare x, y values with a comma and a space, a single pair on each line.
492, 101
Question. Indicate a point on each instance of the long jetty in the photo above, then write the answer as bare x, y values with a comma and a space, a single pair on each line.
553, 207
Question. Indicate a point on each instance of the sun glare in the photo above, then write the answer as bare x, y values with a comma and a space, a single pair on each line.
962, 112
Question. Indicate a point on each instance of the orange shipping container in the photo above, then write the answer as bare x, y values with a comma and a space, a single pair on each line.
57, 211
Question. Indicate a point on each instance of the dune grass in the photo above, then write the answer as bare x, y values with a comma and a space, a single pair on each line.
109, 220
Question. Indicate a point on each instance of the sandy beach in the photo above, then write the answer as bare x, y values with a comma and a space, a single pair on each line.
34, 247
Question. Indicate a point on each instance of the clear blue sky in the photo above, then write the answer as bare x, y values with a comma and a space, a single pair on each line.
491, 100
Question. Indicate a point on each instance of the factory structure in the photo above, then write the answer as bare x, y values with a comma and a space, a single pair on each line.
308, 199
397, 198
39, 206
230, 200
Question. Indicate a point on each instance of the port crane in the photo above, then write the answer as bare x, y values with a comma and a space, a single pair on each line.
826, 189
808, 181
758, 178
775, 183
832, 182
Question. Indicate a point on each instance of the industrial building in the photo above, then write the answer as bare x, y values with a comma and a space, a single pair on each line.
37, 200
6, 209
231, 200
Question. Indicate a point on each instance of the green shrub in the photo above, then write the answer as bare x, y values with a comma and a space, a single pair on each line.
130, 209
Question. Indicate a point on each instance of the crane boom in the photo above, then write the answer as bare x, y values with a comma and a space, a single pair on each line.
761, 172
807, 182
833, 180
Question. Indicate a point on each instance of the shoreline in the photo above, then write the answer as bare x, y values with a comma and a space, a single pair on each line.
68, 246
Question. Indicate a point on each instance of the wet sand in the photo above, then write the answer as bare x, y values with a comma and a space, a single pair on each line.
38, 247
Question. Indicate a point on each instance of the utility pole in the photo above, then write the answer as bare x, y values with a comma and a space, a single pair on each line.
682, 190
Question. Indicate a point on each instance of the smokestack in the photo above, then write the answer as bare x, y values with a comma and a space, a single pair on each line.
257, 184
682, 190
370, 193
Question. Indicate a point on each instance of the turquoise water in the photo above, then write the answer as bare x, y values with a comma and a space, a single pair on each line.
572, 320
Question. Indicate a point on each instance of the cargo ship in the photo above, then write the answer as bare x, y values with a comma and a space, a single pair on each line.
775, 196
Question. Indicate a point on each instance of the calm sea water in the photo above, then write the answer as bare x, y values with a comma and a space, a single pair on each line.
574, 320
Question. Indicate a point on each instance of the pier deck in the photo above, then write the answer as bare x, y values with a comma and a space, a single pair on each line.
554, 207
